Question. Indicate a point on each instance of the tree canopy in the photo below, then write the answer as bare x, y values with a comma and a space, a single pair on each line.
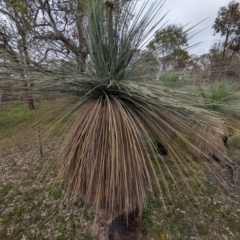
227, 24
170, 44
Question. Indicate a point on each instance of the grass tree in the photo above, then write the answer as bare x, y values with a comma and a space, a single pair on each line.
223, 97
109, 157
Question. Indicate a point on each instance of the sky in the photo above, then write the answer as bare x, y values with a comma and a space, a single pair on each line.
193, 12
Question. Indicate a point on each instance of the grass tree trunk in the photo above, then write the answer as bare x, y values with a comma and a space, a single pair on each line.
123, 227
126, 227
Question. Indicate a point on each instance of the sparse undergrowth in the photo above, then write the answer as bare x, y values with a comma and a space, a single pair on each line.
211, 214
34, 208
31, 207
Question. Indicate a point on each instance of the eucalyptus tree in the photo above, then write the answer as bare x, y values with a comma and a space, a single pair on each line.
227, 24
15, 28
36, 31
170, 45
218, 63
222, 67
109, 157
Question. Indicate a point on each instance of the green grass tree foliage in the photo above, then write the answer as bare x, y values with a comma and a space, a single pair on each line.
109, 157
220, 92
223, 97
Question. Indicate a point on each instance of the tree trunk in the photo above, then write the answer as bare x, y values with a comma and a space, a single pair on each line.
31, 104
126, 227
30, 100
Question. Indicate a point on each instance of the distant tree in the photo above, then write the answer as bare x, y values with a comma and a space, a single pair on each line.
202, 62
223, 67
212, 66
42, 30
38, 31
169, 45
16, 26
227, 24
199, 67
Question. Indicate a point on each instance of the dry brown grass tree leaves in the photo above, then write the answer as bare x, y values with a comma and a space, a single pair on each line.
102, 150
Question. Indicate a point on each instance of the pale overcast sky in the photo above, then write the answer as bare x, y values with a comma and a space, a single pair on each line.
193, 12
